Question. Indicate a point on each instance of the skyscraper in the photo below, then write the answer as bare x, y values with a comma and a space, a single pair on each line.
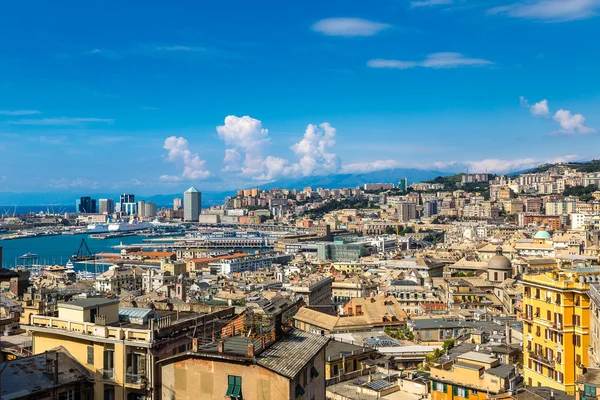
403, 184
141, 208
106, 206
127, 204
150, 210
192, 204
127, 198
86, 205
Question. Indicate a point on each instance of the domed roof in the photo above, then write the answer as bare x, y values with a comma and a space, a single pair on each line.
499, 261
542, 234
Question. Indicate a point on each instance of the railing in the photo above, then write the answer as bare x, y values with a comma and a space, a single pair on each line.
541, 359
134, 379
88, 328
108, 374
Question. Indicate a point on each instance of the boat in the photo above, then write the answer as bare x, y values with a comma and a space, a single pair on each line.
28, 256
118, 227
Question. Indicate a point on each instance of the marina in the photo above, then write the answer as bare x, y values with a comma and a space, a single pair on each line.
51, 250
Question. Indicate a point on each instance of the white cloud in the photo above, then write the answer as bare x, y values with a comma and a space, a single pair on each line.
571, 124
65, 183
495, 165
429, 3
245, 132
247, 141
61, 121
349, 27
539, 109
434, 60
313, 150
550, 10
364, 167
179, 153
19, 112
232, 161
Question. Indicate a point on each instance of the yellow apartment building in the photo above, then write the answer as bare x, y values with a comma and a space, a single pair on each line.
119, 346
556, 326
473, 376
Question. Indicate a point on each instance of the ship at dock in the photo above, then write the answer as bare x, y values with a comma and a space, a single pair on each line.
117, 227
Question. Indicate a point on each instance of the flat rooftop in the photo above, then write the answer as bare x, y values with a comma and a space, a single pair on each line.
88, 303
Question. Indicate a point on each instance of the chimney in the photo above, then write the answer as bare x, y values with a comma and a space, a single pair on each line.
508, 333
195, 345
251, 349
221, 346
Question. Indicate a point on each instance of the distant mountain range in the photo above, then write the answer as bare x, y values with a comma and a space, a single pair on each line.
352, 180
213, 197
210, 198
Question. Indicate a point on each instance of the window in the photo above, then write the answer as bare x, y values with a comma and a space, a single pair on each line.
549, 315
108, 364
559, 357
462, 392
559, 377
109, 392
90, 355
68, 395
589, 390
335, 370
538, 368
577, 359
313, 372
234, 387
440, 387
577, 340
537, 312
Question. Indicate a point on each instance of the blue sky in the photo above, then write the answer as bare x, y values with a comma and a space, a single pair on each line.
150, 97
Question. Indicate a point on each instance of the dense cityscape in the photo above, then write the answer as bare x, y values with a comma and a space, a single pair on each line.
474, 286
316, 200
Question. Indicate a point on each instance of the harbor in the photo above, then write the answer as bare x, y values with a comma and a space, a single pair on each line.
53, 250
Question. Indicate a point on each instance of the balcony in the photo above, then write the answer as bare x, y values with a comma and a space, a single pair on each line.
108, 374
556, 326
135, 380
541, 359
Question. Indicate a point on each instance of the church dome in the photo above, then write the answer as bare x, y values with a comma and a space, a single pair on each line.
499, 261
542, 234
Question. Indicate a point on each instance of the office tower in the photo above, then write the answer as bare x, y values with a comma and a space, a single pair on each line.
150, 210
128, 204
127, 198
86, 205
106, 206
177, 203
403, 184
192, 204
141, 208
